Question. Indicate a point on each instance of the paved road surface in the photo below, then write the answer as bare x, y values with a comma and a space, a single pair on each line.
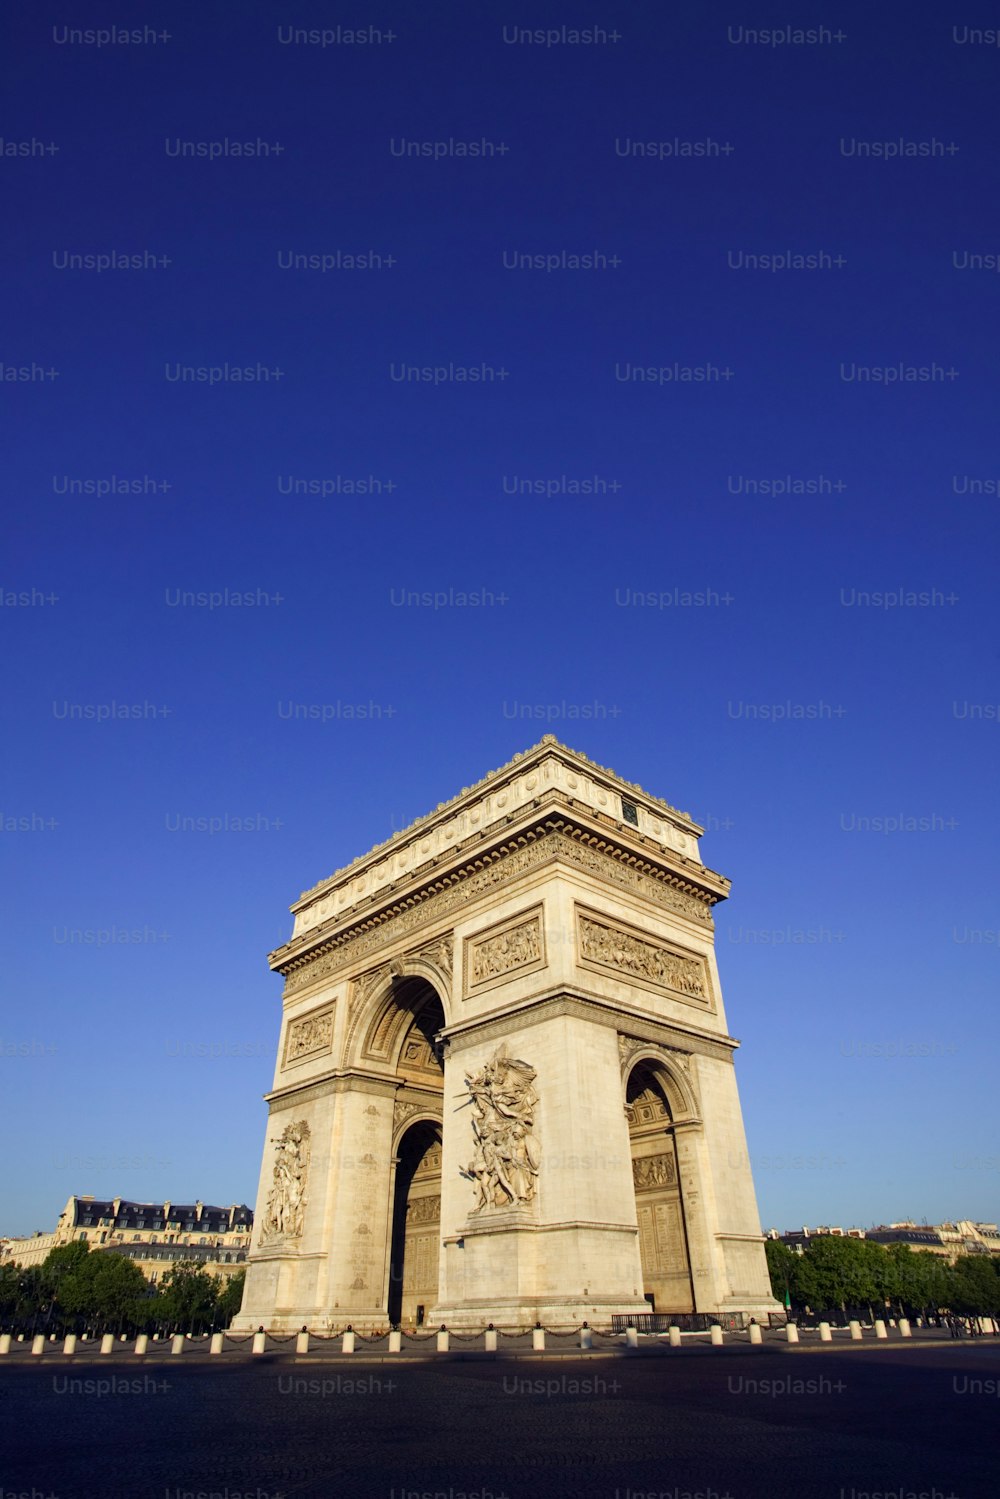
767, 1424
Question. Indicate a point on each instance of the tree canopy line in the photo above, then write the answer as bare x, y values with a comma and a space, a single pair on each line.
76, 1291
848, 1276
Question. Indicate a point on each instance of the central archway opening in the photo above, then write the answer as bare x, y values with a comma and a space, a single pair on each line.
663, 1249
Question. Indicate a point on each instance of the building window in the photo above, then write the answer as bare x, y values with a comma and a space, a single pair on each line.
630, 813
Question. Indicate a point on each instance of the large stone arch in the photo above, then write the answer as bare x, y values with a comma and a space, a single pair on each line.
380, 1002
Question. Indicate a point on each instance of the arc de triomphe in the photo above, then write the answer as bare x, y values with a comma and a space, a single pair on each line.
505, 1089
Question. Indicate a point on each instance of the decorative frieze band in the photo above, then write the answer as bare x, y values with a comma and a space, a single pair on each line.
463, 887
604, 945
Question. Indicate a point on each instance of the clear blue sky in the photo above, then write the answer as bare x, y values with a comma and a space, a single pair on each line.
136, 1067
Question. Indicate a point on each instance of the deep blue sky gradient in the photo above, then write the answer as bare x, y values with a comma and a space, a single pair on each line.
113, 1081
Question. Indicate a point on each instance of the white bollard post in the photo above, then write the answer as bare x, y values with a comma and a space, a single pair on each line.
259, 1344
347, 1346
69, 1343
4, 1342
442, 1340
302, 1341
396, 1341
825, 1335
674, 1334
38, 1344
177, 1343
880, 1331
904, 1328
631, 1338
538, 1339
855, 1332
108, 1343
716, 1334
215, 1346
791, 1333
755, 1334
141, 1344
490, 1340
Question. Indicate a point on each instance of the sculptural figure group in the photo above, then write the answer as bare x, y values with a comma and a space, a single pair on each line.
284, 1215
504, 1167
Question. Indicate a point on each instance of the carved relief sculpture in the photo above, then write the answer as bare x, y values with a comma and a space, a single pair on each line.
423, 1210
505, 1162
653, 1171
515, 948
614, 948
310, 1034
284, 1214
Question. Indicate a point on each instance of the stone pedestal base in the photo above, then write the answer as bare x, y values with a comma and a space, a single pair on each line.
523, 1314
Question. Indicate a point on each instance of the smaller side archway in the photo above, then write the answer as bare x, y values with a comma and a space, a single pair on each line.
655, 1100
415, 1234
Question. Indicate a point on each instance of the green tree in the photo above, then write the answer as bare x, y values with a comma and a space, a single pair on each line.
975, 1286
187, 1297
22, 1295
921, 1279
840, 1273
107, 1290
15, 1283
230, 1298
59, 1266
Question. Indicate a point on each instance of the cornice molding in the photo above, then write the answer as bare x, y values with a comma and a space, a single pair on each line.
690, 892
648, 1031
